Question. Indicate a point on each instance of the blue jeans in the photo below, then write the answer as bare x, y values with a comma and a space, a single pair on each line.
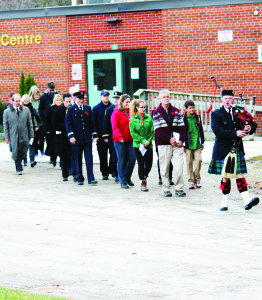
126, 160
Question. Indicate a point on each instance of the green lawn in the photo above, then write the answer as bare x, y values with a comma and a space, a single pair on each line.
7, 294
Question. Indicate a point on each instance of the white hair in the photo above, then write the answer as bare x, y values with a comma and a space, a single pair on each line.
73, 90
164, 91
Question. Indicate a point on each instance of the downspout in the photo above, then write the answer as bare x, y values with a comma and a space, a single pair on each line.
67, 45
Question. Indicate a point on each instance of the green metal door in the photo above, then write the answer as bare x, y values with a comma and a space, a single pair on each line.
104, 72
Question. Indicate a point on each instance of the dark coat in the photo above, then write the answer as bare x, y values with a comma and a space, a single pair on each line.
50, 138
34, 115
199, 129
107, 131
44, 102
80, 124
225, 130
62, 144
98, 115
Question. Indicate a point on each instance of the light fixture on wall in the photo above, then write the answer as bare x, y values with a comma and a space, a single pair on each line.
112, 20
256, 12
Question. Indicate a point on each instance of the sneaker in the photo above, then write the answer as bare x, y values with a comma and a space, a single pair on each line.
19, 173
192, 186
130, 183
180, 193
124, 186
143, 186
198, 185
168, 194
92, 182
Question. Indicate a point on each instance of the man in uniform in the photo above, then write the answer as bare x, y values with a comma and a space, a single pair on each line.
102, 146
226, 127
81, 131
107, 135
18, 130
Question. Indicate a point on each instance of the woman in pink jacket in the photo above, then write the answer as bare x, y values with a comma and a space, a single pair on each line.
123, 142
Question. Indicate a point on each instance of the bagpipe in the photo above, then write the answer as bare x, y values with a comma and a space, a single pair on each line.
245, 117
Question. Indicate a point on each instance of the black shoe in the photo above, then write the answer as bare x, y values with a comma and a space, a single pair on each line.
116, 179
180, 193
80, 182
25, 164
160, 182
168, 194
130, 183
54, 163
171, 182
223, 208
124, 186
252, 203
33, 164
92, 182
65, 178
75, 178
105, 177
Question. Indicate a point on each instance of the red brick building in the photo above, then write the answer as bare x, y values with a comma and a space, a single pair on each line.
154, 45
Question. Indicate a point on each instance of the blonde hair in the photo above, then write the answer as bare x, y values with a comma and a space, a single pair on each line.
32, 88
122, 99
57, 97
24, 98
33, 92
134, 105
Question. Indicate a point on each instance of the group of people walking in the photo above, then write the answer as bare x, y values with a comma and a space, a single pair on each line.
125, 131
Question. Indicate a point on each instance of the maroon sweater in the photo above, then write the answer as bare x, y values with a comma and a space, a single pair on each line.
165, 127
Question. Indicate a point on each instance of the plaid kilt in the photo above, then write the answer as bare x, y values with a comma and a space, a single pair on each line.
216, 165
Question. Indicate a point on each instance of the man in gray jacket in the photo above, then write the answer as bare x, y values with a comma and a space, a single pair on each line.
18, 130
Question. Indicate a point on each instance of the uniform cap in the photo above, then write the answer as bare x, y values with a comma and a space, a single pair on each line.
117, 94
80, 95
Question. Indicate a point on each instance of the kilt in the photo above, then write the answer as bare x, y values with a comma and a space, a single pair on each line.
216, 165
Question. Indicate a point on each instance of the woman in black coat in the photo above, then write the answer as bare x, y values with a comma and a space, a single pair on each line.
25, 101
50, 129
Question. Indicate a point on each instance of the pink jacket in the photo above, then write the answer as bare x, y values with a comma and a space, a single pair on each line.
120, 126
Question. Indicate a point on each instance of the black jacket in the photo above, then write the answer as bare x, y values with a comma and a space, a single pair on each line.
199, 128
48, 127
62, 144
107, 132
98, 115
225, 130
44, 102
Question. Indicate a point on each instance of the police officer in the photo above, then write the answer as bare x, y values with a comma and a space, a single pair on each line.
81, 131
107, 135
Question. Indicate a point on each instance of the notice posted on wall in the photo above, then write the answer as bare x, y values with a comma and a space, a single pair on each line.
225, 35
260, 53
76, 72
134, 73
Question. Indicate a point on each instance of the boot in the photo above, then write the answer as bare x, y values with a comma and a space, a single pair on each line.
224, 203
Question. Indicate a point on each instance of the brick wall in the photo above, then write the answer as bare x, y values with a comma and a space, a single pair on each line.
46, 61
193, 54
137, 30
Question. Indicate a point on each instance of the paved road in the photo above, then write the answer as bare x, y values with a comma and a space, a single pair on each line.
101, 242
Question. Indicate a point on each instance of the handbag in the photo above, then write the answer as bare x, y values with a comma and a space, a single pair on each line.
230, 164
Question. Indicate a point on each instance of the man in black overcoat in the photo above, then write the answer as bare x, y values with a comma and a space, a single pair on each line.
226, 126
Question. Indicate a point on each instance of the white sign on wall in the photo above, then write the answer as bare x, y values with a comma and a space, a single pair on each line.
134, 73
260, 53
225, 35
76, 72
